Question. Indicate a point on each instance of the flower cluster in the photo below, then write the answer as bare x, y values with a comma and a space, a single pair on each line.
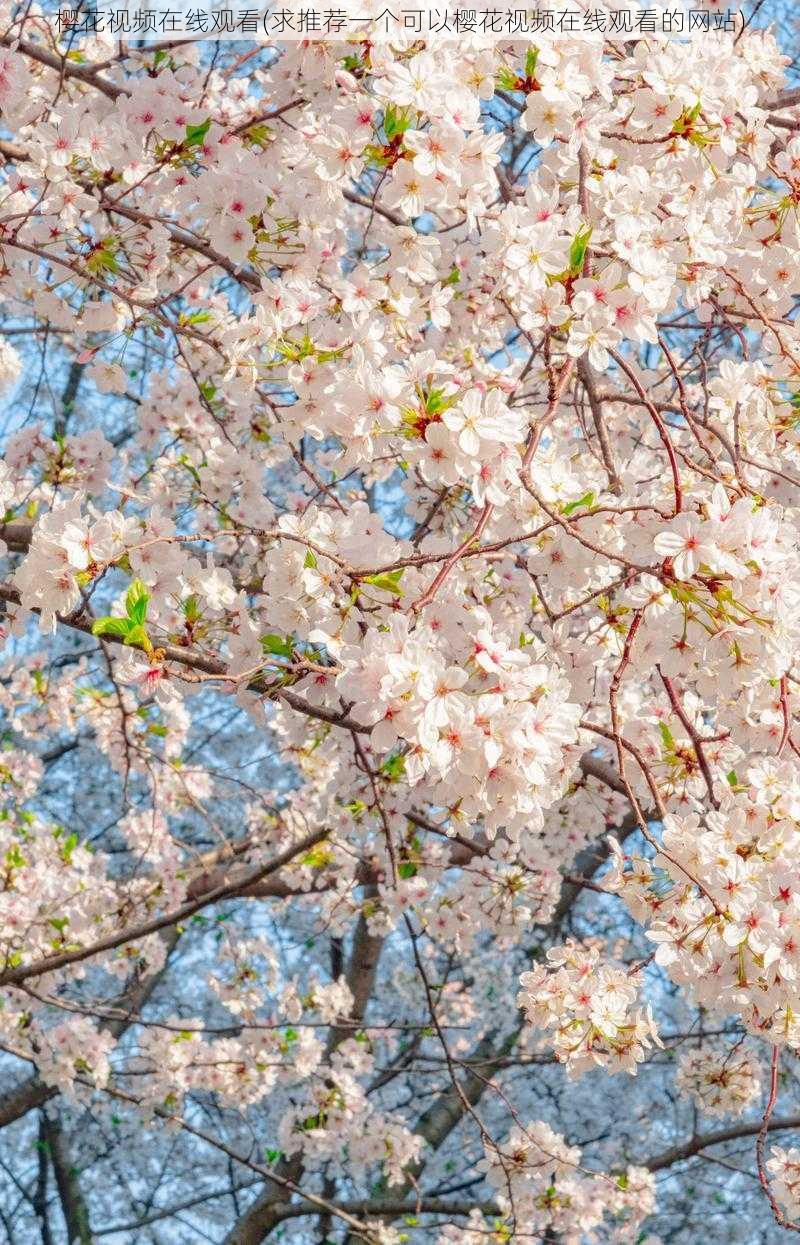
552, 1193
721, 1080
492, 727
784, 1167
588, 1005
722, 908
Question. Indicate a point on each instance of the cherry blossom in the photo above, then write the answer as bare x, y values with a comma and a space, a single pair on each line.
401, 552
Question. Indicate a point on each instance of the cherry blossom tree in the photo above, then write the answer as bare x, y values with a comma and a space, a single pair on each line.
400, 830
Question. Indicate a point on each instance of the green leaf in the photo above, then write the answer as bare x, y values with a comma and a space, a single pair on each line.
278, 645
272, 1156
577, 251
389, 581
195, 134
111, 626
14, 858
136, 602
687, 119
667, 736
407, 869
258, 135
394, 767
587, 500
310, 561
531, 58
190, 608
103, 258
507, 79
395, 121
437, 401
137, 637
68, 847
318, 857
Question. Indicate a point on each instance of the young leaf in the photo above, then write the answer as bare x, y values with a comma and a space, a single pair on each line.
195, 134
577, 251
394, 767
586, 500
395, 121
136, 602
68, 847
277, 644
190, 608
506, 79
137, 637
389, 581
111, 626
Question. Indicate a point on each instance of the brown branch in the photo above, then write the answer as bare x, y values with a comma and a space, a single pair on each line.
34, 1093
688, 1149
15, 976
193, 660
73, 1205
69, 69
